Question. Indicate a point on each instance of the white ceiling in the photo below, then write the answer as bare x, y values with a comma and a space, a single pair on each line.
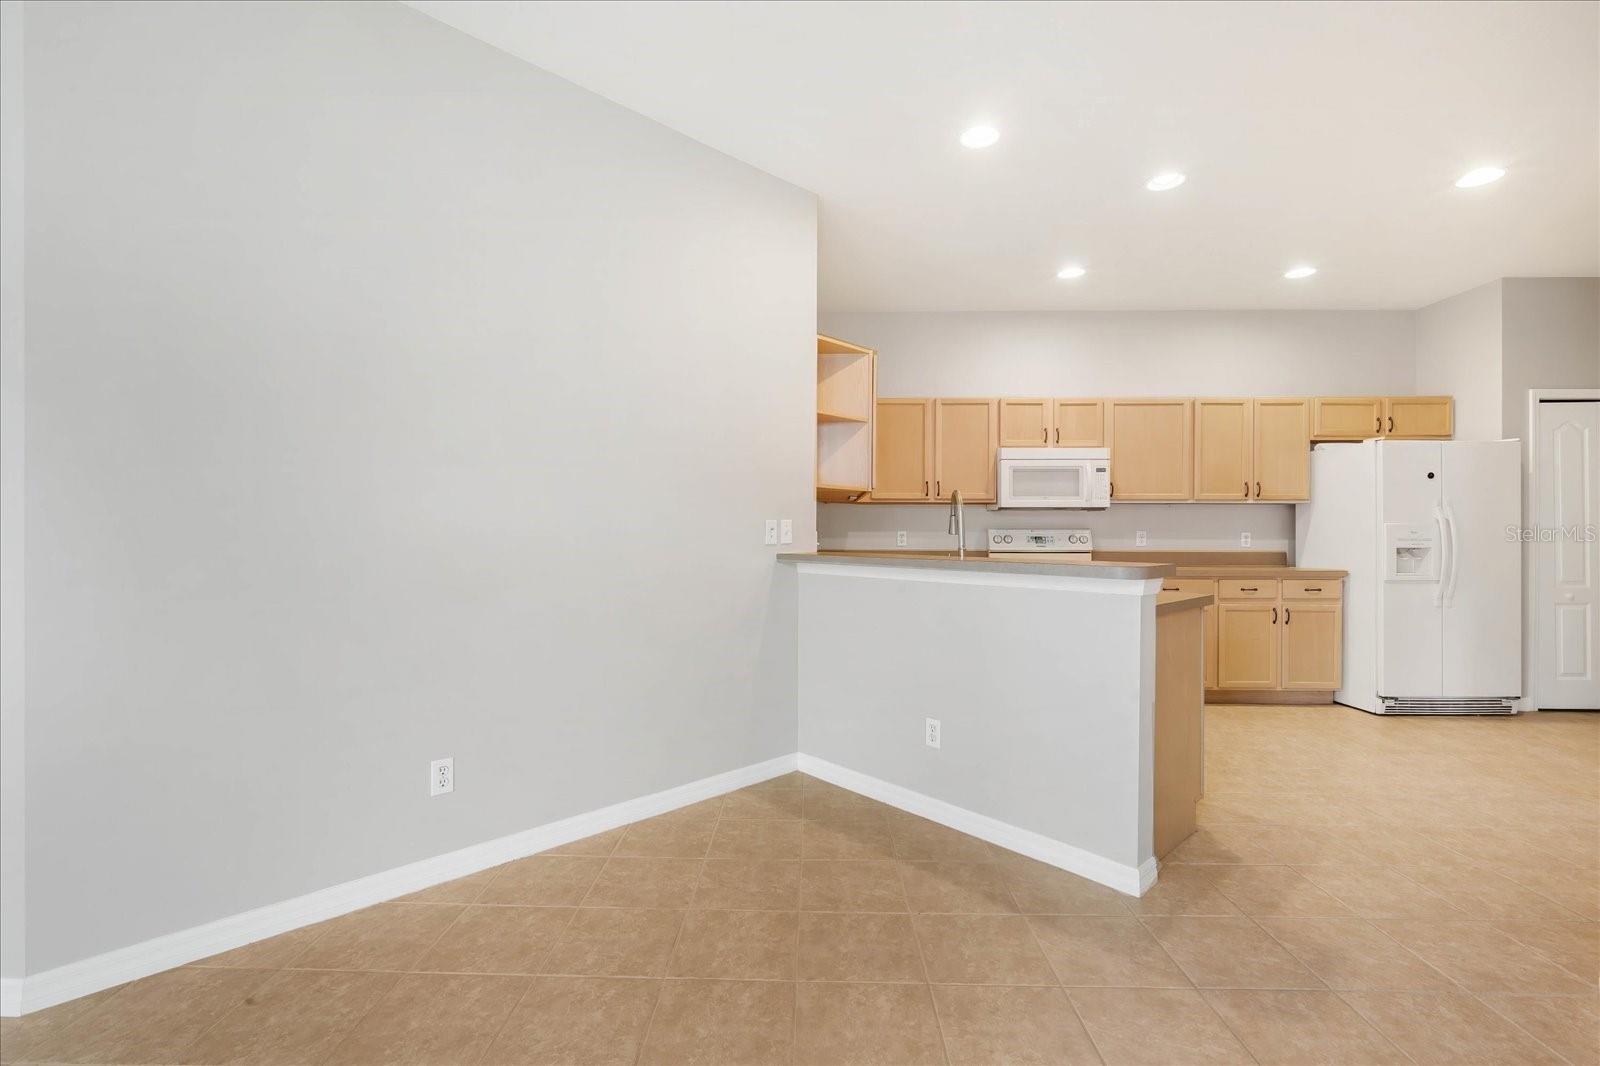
1325, 133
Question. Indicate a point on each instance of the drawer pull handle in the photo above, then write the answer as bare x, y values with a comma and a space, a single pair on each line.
1251, 589
1165, 589
1310, 589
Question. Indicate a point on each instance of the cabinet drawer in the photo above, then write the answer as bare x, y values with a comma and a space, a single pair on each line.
1189, 584
1265, 588
1299, 589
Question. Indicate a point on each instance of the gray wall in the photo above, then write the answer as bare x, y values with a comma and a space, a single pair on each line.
1550, 331
1044, 697
1458, 354
1126, 353
387, 399
13, 933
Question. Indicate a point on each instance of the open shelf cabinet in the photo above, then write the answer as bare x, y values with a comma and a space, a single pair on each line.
846, 391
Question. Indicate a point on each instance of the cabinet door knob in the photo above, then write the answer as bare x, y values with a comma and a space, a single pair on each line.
1258, 490
1391, 423
1044, 436
937, 489
1247, 490
1378, 428
1274, 616
1058, 434
924, 488
1286, 614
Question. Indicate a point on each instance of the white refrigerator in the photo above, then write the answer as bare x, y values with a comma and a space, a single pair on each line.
1433, 603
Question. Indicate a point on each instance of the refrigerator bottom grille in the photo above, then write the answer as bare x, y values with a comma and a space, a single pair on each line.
1480, 705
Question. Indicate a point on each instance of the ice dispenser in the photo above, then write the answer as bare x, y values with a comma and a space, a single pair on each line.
1411, 553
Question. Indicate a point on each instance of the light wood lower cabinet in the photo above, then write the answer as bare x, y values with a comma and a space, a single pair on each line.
1247, 645
1278, 636
902, 452
1311, 651
1152, 449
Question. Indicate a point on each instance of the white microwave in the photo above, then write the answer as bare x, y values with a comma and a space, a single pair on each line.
1055, 477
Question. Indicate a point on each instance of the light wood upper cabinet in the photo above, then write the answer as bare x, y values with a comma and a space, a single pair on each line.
1363, 417
1282, 450
1079, 424
1247, 645
1311, 653
965, 436
1152, 449
1346, 417
1222, 449
902, 454
1025, 423
1418, 417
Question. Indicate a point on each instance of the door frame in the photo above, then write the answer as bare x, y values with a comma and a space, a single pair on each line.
1530, 556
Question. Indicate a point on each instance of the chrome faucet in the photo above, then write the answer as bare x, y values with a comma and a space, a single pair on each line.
958, 523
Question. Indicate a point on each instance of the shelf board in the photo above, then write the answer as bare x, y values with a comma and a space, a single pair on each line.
841, 493
834, 346
835, 416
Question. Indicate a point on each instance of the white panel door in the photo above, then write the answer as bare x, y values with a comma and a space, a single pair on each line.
1410, 632
1482, 632
1567, 556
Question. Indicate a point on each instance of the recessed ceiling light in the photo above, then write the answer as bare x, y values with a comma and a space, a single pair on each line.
979, 137
1163, 182
1481, 176
1296, 273
1068, 273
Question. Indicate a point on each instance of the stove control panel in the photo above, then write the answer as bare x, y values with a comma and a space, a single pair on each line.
1040, 540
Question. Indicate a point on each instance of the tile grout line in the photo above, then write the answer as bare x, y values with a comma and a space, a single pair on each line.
922, 956
683, 920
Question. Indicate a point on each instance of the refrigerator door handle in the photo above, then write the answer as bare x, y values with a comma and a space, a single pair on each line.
1455, 556
1446, 555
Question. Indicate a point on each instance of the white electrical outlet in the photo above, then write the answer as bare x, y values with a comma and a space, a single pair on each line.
772, 531
1139, 538
1244, 540
441, 776
786, 531
900, 539
930, 730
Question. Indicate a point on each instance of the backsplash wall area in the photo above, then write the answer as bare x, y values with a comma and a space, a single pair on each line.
1117, 353
1197, 526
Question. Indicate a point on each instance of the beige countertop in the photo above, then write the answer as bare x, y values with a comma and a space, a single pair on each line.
980, 561
1167, 602
1247, 572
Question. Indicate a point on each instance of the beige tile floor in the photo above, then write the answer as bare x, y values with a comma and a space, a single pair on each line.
1363, 890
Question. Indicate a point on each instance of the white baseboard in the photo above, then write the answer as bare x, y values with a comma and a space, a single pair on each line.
40, 990
1130, 880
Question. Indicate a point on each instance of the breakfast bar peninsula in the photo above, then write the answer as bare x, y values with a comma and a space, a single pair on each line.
1052, 708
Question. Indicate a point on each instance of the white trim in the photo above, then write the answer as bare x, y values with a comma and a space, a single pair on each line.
40, 990
1130, 880
1106, 586
1530, 552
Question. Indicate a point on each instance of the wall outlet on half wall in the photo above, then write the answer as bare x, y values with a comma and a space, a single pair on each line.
1244, 540
930, 732
441, 776
1139, 538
